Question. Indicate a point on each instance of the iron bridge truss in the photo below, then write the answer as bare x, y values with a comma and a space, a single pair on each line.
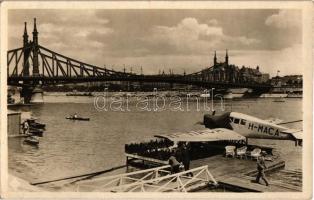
55, 68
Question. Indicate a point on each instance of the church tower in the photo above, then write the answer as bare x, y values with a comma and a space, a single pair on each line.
215, 59
227, 58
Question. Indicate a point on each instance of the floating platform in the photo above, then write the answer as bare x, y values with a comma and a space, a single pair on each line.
232, 174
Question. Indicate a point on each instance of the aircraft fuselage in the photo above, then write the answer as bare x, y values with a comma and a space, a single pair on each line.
252, 127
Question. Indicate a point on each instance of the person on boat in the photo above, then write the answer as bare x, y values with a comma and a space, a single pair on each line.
25, 127
186, 158
75, 115
261, 166
174, 164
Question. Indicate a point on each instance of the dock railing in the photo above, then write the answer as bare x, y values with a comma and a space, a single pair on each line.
151, 180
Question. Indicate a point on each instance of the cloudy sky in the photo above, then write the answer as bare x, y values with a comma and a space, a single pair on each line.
164, 39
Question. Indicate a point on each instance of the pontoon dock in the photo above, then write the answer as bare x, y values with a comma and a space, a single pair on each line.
230, 173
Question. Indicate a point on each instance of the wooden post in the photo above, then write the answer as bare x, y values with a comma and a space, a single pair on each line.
127, 162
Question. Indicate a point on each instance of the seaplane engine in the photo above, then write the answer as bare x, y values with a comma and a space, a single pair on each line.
221, 121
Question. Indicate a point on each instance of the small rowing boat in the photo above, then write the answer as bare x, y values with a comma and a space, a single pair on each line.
78, 118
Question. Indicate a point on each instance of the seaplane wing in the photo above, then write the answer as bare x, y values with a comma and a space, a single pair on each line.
205, 135
274, 120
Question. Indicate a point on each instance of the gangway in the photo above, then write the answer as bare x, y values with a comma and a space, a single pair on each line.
158, 179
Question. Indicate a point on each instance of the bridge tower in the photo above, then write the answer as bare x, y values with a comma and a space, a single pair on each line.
26, 90
35, 50
31, 90
26, 52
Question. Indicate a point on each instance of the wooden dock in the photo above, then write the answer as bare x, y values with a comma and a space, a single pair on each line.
234, 174
239, 175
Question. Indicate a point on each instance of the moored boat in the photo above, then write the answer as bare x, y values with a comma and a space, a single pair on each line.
32, 123
37, 132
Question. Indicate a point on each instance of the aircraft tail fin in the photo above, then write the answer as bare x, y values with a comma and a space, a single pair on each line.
295, 134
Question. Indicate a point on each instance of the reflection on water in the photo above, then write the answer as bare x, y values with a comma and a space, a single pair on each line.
77, 147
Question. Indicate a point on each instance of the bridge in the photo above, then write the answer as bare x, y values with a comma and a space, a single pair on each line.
35, 65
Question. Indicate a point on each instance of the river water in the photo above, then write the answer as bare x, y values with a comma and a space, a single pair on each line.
77, 147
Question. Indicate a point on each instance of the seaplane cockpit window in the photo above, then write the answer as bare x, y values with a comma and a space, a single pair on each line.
231, 119
236, 121
243, 122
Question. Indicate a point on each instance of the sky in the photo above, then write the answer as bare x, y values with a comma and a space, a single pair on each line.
181, 40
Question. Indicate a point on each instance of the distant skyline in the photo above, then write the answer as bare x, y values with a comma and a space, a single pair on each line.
181, 40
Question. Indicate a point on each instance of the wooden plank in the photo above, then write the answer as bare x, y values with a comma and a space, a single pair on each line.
146, 159
246, 185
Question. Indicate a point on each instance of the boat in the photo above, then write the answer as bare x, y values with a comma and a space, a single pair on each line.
36, 132
38, 125
32, 140
294, 95
76, 93
78, 118
19, 104
236, 93
33, 124
274, 95
205, 95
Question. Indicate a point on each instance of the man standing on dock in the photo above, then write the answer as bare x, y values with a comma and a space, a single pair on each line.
261, 166
186, 158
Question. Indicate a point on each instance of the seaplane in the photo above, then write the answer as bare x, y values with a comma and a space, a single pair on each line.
237, 126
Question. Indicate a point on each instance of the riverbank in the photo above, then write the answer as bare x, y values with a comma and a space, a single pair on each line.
17, 184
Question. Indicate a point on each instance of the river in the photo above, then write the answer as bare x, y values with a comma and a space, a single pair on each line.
78, 147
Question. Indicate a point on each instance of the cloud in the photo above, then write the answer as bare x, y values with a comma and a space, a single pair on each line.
187, 30
285, 19
191, 37
153, 40
71, 33
213, 22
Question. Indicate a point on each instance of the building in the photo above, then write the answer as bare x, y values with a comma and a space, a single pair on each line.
229, 73
287, 81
